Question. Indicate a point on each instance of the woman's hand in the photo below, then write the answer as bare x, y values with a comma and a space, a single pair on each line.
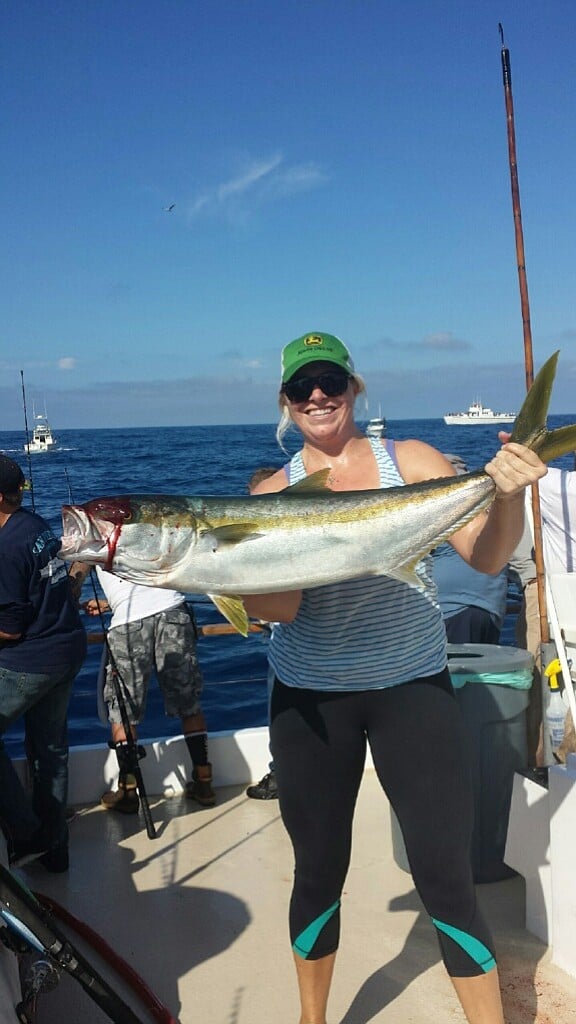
514, 468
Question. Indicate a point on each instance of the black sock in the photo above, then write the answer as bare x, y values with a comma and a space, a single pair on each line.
197, 743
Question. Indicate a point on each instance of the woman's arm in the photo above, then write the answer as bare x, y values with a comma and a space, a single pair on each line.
489, 540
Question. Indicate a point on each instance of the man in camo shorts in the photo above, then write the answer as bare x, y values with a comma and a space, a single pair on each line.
151, 629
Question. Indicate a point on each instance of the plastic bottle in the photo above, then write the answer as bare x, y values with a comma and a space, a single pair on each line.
556, 710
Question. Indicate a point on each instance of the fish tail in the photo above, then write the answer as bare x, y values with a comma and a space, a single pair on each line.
558, 442
530, 426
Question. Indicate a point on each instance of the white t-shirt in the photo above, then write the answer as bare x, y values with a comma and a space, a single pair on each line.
131, 601
558, 512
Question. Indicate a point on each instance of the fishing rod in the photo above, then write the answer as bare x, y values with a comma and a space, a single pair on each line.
27, 441
526, 327
30, 926
110, 957
134, 750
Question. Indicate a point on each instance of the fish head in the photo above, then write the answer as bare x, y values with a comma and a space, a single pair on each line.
87, 529
142, 538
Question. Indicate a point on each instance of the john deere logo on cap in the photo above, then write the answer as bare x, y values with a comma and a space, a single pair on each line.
312, 340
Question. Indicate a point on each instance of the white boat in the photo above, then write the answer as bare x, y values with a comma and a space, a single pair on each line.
42, 438
478, 413
195, 909
377, 425
200, 912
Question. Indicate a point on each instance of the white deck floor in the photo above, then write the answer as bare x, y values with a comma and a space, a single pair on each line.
200, 912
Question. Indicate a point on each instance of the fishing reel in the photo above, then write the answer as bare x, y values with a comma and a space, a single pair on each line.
37, 973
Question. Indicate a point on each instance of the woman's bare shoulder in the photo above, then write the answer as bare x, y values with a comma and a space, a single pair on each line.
277, 482
420, 461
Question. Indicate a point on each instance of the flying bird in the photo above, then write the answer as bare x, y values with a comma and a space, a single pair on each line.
169, 209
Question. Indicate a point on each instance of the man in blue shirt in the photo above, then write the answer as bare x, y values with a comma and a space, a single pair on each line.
42, 647
473, 604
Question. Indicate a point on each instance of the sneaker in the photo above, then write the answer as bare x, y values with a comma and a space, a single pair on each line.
22, 851
200, 787
123, 800
266, 789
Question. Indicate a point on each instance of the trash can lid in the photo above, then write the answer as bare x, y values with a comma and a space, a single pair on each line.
479, 659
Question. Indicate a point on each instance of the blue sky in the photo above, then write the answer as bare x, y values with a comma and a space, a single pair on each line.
338, 166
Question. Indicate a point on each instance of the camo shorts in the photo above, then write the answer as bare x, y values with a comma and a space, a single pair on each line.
164, 643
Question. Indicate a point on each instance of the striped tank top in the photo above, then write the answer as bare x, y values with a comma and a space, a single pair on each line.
362, 634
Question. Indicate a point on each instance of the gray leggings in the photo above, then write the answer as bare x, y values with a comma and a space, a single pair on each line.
420, 754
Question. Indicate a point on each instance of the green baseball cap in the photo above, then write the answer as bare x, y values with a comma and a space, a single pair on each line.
314, 348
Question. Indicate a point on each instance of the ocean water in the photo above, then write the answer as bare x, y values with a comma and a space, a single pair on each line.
192, 460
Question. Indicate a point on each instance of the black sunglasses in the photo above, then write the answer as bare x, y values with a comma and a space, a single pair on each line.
332, 383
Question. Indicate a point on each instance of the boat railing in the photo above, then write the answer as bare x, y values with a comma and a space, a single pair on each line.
97, 636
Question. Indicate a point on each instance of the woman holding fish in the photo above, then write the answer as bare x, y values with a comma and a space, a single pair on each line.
363, 660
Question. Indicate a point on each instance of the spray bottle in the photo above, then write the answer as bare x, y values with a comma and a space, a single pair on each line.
556, 709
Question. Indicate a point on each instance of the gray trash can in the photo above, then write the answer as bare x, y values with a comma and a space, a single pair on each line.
492, 685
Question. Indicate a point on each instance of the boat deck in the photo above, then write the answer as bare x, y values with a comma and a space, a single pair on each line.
200, 913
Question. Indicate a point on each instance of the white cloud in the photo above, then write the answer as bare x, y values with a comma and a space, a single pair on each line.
260, 181
253, 174
444, 341
240, 361
67, 363
440, 341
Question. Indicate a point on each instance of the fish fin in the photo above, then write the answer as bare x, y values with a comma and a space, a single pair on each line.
407, 574
315, 482
530, 425
235, 533
232, 608
558, 442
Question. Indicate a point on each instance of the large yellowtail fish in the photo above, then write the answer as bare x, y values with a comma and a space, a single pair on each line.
304, 536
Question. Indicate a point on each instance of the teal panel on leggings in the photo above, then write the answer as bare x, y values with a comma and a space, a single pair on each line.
475, 949
306, 940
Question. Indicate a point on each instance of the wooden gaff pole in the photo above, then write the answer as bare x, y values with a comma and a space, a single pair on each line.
527, 330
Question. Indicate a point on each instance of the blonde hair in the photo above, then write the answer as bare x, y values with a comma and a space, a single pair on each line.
285, 421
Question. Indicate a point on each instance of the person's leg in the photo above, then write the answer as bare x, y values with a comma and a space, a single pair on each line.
17, 693
480, 998
314, 981
200, 786
319, 751
17, 817
266, 788
432, 796
195, 733
181, 682
47, 732
127, 676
